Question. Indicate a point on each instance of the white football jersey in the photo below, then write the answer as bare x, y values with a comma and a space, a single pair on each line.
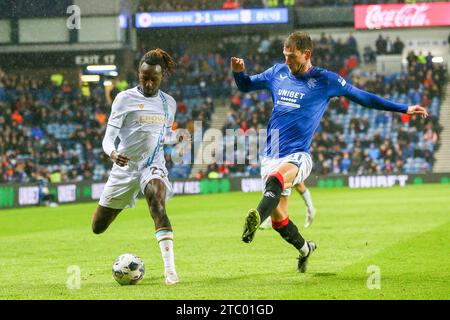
143, 123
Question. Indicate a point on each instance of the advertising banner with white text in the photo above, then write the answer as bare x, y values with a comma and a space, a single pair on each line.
414, 15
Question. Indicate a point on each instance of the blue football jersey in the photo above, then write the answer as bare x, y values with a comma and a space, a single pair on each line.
300, 102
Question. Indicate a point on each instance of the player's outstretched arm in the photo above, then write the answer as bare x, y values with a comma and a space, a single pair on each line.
370, 100
339, 87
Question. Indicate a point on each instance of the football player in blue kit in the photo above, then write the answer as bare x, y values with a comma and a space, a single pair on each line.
300, 93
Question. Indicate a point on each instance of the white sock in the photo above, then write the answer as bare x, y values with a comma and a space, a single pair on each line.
305, 249
307, 199
165, 240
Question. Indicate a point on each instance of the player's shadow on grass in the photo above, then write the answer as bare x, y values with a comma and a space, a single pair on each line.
324, 274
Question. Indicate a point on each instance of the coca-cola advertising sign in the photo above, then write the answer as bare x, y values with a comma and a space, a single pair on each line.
402, 15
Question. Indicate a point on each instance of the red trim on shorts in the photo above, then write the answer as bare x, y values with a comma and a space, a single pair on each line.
279, 177
280, 224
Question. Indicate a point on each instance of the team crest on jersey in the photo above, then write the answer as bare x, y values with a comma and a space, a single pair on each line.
312, 83
141, 106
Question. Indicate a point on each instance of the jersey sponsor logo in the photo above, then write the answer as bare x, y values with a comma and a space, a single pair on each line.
288, 104
151, 119
342, 81
289, 98
290, 94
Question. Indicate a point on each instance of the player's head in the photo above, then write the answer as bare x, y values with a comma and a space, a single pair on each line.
154, 65
297, 51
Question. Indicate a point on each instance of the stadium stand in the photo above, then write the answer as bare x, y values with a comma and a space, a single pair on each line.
48, 128
45, 127
181, 5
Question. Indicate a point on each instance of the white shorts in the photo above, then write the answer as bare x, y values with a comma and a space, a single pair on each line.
124, 184
301, 159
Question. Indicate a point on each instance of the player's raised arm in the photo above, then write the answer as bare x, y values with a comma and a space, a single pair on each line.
248, 83
339, 87
237, 64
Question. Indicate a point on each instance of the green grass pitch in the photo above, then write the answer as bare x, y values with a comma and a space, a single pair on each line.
402, 232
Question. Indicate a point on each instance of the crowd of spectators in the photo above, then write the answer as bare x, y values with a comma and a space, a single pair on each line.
383, 45
387, 46
45, 128
184, 5
55, 130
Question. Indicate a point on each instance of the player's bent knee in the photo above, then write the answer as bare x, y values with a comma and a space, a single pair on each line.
275, 178
101, 219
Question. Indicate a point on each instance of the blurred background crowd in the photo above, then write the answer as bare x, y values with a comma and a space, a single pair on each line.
52, 127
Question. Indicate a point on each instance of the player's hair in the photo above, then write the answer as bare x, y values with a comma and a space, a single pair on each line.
300, 40
159, 56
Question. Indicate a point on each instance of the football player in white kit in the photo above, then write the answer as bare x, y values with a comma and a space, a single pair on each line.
142, 118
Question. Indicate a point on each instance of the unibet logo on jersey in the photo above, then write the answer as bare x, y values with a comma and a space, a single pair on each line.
289, 98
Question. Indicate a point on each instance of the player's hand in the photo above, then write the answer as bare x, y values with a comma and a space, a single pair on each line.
237, 64
120, 159
417, 109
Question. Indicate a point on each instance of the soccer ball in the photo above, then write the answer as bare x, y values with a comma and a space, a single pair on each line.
128, 269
